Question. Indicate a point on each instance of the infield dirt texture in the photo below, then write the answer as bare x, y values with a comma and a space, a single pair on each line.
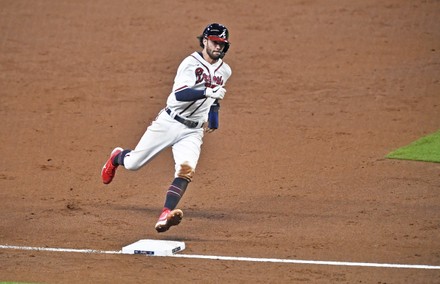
321, 91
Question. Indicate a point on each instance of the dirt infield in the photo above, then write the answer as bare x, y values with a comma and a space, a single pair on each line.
321, 91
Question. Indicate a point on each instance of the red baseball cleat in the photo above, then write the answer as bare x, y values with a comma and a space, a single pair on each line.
167, 219
109, 170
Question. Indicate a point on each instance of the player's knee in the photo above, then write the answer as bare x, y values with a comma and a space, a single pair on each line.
131, 167
185, 171
131, 164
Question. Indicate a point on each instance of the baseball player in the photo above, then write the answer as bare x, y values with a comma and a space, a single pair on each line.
191, 110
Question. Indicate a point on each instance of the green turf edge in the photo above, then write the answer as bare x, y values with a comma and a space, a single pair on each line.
425, 149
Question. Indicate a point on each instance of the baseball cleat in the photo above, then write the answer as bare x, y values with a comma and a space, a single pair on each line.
109, 170
167, 219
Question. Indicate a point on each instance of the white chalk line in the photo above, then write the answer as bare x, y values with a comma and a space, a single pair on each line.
61, 249
232, 258
314, 262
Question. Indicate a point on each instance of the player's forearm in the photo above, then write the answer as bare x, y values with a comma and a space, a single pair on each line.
188, 94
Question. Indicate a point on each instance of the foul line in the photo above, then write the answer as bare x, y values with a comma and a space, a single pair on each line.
61, 249
315, 262
232, 258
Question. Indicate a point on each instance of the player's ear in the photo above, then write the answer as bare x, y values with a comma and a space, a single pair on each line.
205, 41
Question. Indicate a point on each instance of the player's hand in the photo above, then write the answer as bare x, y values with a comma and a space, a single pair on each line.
217, 93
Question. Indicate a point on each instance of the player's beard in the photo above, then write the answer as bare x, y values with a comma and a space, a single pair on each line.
214, 56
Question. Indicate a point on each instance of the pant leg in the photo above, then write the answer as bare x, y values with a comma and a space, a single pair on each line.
186, 152
158, 136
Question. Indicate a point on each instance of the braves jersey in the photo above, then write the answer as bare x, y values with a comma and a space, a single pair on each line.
197, 74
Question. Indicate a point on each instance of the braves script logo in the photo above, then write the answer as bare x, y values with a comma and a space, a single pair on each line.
202, 76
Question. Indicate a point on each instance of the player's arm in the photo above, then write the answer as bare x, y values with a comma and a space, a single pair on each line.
184, 83
186, 94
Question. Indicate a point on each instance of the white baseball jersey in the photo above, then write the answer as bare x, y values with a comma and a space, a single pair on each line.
165, 131
194, 72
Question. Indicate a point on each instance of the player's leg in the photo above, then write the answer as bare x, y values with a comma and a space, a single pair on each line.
186, 154
159, 135
169, 215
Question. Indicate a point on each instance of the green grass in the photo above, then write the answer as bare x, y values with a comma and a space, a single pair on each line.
425, 149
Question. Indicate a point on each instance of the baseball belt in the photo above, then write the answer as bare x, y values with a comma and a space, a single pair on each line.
184, 121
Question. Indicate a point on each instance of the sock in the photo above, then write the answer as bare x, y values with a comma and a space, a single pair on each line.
175, 192
119, 158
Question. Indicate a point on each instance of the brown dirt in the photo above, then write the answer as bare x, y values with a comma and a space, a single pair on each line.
321, 92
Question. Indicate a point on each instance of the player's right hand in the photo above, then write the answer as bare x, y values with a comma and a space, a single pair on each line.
217, 93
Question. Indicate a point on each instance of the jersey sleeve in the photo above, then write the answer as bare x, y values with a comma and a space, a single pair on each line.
185, 76
189, 94
213, 115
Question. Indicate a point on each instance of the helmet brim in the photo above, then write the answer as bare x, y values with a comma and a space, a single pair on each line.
216, 38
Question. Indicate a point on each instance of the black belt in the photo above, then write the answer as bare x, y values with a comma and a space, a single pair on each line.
184, 121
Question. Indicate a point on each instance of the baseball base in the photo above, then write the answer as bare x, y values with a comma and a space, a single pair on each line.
154, 247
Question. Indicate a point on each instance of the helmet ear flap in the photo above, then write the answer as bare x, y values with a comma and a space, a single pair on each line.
225, 49
201, 38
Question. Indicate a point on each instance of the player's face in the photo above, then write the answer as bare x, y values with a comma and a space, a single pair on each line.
214, 48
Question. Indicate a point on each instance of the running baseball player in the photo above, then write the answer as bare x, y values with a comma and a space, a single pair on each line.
191, 110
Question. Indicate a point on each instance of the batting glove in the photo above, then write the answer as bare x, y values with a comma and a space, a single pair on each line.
217, 93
